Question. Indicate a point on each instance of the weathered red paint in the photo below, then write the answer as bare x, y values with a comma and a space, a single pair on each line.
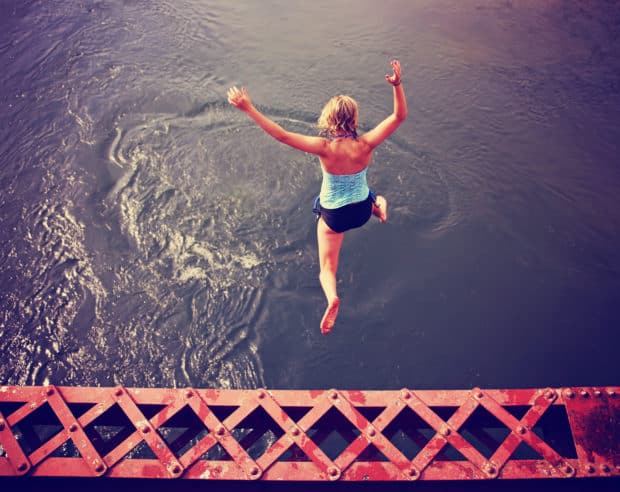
216, 422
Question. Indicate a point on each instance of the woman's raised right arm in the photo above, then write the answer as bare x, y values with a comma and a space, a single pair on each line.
384, 129
314, 145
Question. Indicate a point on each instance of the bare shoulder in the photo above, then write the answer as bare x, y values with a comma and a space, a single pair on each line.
365, 142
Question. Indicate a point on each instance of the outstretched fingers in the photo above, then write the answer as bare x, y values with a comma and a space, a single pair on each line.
238, 98
233, 95
394, 78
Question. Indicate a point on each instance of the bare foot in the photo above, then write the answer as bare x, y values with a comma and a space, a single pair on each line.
329, 318
379, 208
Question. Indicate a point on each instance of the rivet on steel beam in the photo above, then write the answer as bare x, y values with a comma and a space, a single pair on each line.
255, 472
478, 395
100, 468
597, 393
521, 430
413, 473
590, 469
584, 393
261, 394
550, 394
405, 393
611, 393
568, 470
146, 429
73, 427
372, 433
295, 431
49, 391
220, 431
176, 469
1, 425
490, 469
605, 468
22, 467
569, 393
118, 392
189, 393
333, 395
333, 472
445, 431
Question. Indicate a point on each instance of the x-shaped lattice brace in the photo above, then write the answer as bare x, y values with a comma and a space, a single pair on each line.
73, 429
220, 431
521, 431
447, 432
348, 404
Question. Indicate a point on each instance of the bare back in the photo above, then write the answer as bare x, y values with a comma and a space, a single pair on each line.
346, 156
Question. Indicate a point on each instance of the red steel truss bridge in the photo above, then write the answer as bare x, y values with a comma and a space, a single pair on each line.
305, 435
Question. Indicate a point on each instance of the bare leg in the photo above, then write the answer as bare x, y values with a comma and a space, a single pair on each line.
329, 252
379, 208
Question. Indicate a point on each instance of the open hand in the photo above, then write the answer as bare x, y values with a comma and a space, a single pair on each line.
239, 98
394, 79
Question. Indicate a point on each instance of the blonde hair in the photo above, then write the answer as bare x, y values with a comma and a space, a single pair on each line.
339, 116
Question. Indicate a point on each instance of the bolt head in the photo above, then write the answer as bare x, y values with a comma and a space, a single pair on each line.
295, 431
22, 467
413, 473
220, 431
590, 469
333, 472
49, 391
405, 394
521, 429
605, 468
569, 393
611, 393
146, 429
584, 394
176, 469
597, 393
73, 427
100, 468
261, 394
118, 392
189, 394
372, 433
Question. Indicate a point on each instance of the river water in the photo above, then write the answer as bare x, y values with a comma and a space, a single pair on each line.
152, 236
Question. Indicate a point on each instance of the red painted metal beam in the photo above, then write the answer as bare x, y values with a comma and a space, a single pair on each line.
310, 435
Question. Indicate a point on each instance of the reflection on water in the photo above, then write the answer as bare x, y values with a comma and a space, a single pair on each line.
151, 235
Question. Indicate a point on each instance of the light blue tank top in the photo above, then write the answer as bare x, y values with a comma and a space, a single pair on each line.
340, 190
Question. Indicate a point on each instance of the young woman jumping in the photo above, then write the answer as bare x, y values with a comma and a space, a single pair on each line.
345, 201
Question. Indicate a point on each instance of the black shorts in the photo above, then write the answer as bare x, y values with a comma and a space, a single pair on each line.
348, 216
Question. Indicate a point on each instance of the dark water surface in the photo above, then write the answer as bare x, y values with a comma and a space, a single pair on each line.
152, 236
